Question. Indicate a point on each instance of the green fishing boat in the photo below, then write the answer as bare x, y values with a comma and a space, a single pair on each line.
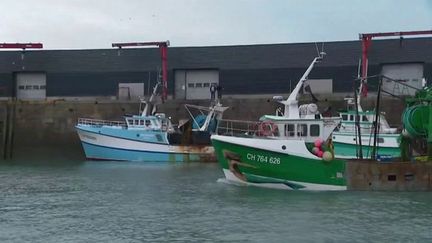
292, 151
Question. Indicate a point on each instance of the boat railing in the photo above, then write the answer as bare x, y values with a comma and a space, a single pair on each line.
98, 123
245, 128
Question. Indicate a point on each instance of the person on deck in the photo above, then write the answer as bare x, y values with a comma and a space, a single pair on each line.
219, 89
212, 91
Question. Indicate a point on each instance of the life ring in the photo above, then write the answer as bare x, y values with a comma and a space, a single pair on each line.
267, 128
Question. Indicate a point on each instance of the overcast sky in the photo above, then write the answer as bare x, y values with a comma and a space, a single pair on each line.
83, 24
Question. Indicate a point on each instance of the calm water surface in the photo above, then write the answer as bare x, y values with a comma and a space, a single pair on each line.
135, 202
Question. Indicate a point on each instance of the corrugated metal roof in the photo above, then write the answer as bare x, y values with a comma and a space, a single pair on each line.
297, 55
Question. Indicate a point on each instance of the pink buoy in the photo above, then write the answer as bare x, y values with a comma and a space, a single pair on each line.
318, 143
315, 150
320, 153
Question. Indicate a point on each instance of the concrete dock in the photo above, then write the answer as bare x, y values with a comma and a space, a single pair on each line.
49, 125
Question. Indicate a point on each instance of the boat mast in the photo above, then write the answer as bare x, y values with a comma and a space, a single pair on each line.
376, 122
357, 110
291, 104
150, 103
357, 122
358, 104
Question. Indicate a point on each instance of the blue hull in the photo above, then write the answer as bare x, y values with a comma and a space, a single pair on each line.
106, 153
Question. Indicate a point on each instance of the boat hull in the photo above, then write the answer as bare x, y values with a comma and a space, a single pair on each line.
99, 146
265, 162
345, 146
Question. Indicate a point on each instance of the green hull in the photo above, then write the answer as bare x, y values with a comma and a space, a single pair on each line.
250, 164
349, 151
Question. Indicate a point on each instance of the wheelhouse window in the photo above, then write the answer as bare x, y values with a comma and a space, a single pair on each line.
301, 130
314, 130
364, 118
147, 123
289, 130
344, 117
141, 122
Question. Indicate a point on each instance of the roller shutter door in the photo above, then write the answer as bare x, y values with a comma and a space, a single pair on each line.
195, 84
410, 73
31, 86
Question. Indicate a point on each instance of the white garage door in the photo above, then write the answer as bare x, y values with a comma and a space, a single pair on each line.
31, 86
411, 74
195, 84
130, 91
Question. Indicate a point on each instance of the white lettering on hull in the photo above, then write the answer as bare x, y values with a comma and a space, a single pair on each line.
263, 158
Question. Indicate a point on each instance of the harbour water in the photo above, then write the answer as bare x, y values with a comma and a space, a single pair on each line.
74, 201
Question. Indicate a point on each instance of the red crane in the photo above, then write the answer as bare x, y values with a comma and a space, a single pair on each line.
367, 41
21, 46
163, 47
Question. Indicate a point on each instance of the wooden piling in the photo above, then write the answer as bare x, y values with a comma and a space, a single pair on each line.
8, 130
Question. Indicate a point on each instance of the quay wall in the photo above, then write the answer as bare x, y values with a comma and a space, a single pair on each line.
47, 127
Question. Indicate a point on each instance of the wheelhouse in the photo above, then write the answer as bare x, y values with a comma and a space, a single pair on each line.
307, 130
348, 121
277, 127
157, 122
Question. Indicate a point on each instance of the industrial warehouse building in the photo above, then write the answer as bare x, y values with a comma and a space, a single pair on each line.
242, 71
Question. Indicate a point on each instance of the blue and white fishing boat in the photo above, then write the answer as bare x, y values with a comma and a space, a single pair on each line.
150, 136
